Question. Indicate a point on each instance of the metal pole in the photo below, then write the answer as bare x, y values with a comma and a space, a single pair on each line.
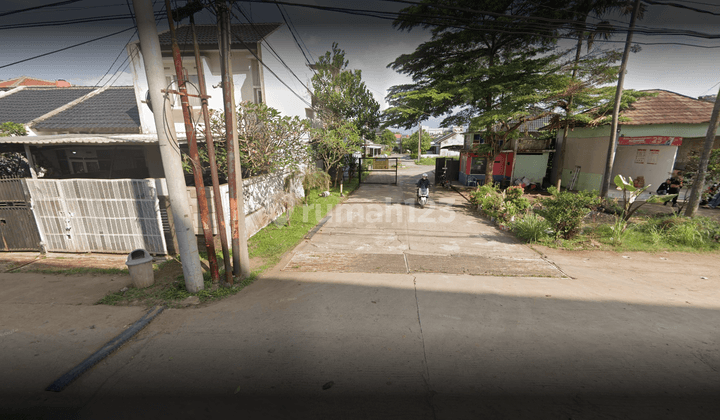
241, 260
169, 149
192, 145
219, 212
616, 110
419, 140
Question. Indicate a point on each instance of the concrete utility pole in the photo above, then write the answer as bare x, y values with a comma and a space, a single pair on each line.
616, 110
241, 259
169, 149
699, 182
192, 145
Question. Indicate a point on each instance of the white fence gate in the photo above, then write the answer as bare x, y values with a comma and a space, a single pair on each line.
94, 215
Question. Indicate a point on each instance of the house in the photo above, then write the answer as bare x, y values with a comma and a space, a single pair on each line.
528, 167
31, 81
449, 144
659, 135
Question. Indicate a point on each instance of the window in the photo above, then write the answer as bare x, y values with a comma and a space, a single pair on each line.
478, 165
192, 86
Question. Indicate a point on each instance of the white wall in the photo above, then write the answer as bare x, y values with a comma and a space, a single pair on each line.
532, 167
655, 174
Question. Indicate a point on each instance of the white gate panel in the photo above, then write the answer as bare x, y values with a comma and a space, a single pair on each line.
96, 215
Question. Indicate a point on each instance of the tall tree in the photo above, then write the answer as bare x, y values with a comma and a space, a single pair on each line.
411, 143
339, 94
387, 138
490, 64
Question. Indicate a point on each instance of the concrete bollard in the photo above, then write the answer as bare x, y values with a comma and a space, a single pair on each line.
139, 263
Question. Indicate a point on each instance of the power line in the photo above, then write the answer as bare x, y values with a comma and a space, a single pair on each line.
270, 46
266, 66
298, 32
293, 35
60, 3
682, 6
66, 48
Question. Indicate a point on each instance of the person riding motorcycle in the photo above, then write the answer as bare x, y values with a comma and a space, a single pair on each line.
424, 182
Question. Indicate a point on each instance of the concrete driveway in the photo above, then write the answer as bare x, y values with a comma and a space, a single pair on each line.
352, 326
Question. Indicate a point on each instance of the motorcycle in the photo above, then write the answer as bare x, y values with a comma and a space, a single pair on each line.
422, 196
443, 178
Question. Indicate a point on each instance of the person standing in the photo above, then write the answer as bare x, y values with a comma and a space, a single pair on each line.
676, 183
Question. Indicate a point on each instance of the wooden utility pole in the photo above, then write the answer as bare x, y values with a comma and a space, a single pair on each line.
616, 110
241, 259
172, 167
192, 145
699, 182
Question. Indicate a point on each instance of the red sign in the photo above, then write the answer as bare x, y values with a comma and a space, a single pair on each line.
659, 140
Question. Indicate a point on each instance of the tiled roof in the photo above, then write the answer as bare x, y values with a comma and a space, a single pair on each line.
30, 103
207, 34
667, 108
31, 81
111, 111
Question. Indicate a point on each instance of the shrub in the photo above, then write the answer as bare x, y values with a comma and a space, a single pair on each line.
565, 210
531, 228
317, 180
504, 205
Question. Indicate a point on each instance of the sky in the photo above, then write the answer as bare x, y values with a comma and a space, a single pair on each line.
370, 45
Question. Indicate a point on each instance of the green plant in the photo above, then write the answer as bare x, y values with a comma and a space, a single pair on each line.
565, 210
630, 194
531, 228
502, 205
319, 180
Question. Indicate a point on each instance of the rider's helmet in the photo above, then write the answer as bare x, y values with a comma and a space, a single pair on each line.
424, 176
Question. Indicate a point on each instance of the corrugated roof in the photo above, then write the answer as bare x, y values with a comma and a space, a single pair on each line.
667, 108
113, 110
30, 103
207, 34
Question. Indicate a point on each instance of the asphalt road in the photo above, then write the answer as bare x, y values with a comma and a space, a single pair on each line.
387, 315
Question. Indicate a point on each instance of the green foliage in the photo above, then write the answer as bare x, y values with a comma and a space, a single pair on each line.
411, 143
342, 96
268, 142
630, 195
531, 228
565, 210
387, 138
426, 161
712, 174
11, 129
317, 180
505, 206
332, 144
665, 233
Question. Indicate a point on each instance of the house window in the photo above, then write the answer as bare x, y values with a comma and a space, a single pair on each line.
478, 165
192, 86
257, 86
258, 95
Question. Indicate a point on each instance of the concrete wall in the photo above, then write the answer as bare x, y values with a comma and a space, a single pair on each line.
590, 154
626, 163
266, 198
532, 167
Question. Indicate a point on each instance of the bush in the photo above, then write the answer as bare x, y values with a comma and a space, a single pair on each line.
531, 228
503, 206
317, 180
565, 210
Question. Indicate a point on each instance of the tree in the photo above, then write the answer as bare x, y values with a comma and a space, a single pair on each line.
492, 70
339, 94
268, 141
387, 138
13, 164
331, 145
411, 143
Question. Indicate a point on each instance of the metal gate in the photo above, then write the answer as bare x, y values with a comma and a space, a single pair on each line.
378, 170
94, 215
18, 229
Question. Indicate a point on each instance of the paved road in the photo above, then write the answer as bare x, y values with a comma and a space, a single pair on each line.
372, 318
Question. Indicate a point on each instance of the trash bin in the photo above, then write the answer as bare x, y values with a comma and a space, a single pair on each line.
139, 263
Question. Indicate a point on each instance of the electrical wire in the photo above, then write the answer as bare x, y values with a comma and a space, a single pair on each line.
60, 3
247, 47
270, 47
66, 48
296, 31
682, 6
294, 37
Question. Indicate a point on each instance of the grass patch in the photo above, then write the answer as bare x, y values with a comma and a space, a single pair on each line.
427, 161
270, 244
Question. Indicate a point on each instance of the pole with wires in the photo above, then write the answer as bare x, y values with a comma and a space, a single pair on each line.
169, 150
219, 212
241, 259
192, 145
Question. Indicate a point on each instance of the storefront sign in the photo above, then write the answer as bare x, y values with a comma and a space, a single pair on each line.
657, 140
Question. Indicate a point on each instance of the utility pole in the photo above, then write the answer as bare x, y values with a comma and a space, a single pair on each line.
192, 145
419, 140
616, 110
241, 259
699, 182
219, 212
169, 149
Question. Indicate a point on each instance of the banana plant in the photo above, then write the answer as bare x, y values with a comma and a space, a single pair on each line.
630, 195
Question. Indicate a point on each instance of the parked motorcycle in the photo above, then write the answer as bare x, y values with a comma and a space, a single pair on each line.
443, 178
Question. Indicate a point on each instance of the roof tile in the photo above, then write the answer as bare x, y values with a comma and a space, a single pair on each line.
668, 108
207, 34
30, 103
